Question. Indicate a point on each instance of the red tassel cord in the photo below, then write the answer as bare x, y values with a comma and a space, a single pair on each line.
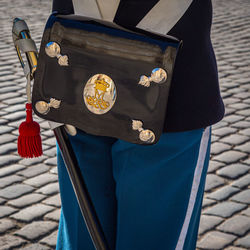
29, 139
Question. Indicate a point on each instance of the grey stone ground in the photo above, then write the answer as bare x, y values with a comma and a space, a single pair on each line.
29, 198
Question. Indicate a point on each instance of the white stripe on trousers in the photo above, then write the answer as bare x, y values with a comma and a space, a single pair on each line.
195, 186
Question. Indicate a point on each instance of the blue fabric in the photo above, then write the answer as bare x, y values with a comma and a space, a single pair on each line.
141, 193
92, 27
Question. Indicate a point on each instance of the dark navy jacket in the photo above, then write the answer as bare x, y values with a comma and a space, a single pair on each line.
194, 100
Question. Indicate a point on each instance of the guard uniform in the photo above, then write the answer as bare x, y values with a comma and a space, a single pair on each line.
150, 197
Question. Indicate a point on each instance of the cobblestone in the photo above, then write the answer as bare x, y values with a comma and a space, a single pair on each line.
245, 147
10, 180
235, 139
230, 156
36, 229
15, 100
225, 209
9, 241
5, 225
214, 165
213, 181
5, 129
245, 112
8, 159
53, 201
241, 124
215, 240
51, 239
233, 171
5, 210
14, 108
219, 147
8, 148
51, 161
242, 182
224, 131
2, 201
233, 118
36, 247
41, 180
32, 161
246, 212
49, 189
244, 242
55, 215
50, 141
50, 152
223, 193
234, 248
34, 170
208, 222
15, 191
207, 202
237, 225
246, 161
243, 197
26, 200
31, 213
54, 170
16, 115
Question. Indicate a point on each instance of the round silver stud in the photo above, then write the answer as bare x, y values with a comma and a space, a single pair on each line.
159, 75
147, 136
52, 49
42, 107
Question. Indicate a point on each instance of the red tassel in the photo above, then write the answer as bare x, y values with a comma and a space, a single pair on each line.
29, 139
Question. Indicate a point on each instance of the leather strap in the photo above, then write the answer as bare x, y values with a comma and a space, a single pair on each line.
26, 45
19, 27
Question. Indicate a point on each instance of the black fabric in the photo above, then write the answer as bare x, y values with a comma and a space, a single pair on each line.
136, 9
63, 6
194, 100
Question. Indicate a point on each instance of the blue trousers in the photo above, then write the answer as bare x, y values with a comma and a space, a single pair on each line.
146, 197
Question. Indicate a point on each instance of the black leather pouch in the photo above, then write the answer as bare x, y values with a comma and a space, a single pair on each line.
104, 79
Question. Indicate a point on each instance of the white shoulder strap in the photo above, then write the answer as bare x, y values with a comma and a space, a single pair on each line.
99, 9
87, 8
161, 18
108, 8
164, 15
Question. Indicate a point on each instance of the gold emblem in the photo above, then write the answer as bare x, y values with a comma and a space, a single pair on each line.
158, 75
53, 49
145, 135
99, 94
43, 107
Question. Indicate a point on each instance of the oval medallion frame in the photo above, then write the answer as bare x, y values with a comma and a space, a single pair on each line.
99, 94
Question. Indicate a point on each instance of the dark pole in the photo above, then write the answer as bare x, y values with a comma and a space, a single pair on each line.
81, 192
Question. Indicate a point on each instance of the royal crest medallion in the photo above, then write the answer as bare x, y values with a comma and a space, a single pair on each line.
99, 94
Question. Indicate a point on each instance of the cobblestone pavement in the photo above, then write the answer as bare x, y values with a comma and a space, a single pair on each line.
29, 194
